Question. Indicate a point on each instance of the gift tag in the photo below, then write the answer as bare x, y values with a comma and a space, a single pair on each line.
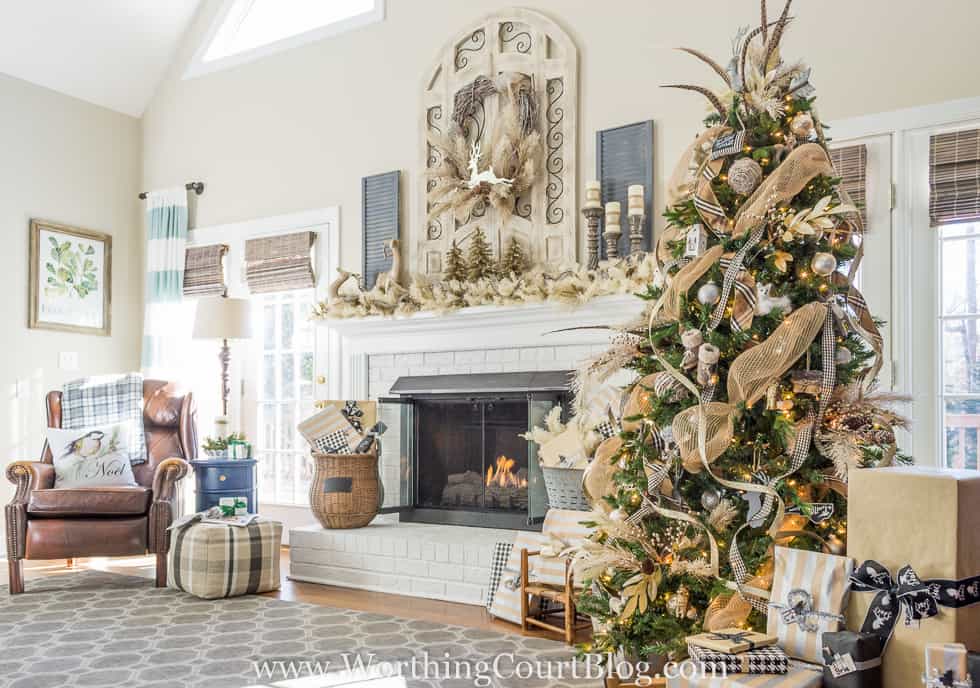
842, 665
697, 241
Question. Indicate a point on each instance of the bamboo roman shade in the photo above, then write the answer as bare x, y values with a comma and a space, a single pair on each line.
851, 163
280, 263
204, 271
954, 177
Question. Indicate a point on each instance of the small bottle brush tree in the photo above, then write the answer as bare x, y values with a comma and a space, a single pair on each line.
514, 261
480, 264
456, 268
752, 365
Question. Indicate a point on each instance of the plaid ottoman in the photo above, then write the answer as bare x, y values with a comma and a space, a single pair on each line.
211, 560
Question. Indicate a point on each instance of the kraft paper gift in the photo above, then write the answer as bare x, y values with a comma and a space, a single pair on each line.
731, 640
689, 675
946, 665
919, 524
808, 598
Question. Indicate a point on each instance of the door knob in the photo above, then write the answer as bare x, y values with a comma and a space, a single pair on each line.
320, 404
321, 379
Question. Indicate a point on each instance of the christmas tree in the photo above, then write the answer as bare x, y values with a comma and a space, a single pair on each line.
455, 264
754, 360
514, 261
480, 259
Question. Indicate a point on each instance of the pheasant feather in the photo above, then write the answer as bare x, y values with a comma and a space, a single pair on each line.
719, 70
712, 98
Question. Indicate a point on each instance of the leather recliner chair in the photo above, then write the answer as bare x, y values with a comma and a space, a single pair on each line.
48, 523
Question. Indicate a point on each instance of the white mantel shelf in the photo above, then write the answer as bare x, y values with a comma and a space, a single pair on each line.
351, 341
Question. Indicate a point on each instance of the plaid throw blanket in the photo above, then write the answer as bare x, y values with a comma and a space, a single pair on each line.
107, 399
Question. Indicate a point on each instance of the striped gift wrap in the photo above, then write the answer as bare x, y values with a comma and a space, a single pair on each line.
212, 560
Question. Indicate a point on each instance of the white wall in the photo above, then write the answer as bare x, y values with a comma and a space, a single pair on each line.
299, 129
71, 162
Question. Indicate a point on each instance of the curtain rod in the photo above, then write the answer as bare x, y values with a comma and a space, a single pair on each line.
196, 187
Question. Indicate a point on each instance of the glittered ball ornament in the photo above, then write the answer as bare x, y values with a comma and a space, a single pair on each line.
801, 125
710, 498
843, 356
709, 293
617, 515
823, 263
744, 176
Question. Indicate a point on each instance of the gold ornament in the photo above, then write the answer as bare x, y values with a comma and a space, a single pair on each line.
677, 604
802, 125
635, 499
744, 176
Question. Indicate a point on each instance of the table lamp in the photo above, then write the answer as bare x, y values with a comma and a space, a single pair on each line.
219, 317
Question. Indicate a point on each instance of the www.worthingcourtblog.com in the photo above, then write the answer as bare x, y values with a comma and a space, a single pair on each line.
482, 672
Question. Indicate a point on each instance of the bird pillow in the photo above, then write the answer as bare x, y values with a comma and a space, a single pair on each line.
91, 457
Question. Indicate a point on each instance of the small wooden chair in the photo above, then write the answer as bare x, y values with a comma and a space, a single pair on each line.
563, 594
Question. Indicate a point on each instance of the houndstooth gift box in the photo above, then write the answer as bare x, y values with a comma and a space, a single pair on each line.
761, 660
688, 674
809, 597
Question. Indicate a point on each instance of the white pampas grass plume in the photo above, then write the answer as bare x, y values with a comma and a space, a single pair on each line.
722, 515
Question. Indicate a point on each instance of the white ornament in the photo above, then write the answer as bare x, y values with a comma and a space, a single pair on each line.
843, 356
617, 515
802, 125
710, 498
765, 304
823, 263
709, 293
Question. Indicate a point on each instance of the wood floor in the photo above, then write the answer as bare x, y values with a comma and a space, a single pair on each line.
323, 595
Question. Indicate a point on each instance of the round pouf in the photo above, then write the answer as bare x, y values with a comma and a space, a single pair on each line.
345, 491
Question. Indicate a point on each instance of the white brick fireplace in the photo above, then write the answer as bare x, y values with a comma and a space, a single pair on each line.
366, 356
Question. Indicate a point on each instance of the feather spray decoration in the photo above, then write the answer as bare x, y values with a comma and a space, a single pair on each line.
765, 22
777, 35
743, 56
719, 70
712, 98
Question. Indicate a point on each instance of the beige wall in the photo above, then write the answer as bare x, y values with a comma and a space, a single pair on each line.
63, 160
298, 130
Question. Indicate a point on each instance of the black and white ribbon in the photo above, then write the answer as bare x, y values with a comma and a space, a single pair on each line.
919, 599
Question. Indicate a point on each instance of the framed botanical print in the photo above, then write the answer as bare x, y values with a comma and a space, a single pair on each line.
71, 279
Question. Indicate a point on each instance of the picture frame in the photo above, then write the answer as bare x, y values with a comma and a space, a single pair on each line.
70, 279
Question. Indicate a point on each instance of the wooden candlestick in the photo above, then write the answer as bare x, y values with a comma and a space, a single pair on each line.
636, 234
611, 236
592, 217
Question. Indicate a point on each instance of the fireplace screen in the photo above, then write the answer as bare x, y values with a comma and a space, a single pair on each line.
454, 452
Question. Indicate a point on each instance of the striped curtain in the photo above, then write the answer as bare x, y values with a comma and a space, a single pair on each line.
163, 335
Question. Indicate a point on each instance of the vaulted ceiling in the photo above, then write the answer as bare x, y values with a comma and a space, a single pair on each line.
109, 52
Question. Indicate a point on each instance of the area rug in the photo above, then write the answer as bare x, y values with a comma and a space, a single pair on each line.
91, 628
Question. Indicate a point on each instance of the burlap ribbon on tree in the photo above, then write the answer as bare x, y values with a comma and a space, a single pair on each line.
685, 278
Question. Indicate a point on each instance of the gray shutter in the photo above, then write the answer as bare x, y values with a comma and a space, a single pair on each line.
624, 156
382, 221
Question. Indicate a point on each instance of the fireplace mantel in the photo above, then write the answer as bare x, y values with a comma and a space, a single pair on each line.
351, 341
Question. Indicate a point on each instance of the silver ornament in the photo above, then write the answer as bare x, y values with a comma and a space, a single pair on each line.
802, 125
823, 263
710, 498
744, 176
709, 293
843, 356
617, 515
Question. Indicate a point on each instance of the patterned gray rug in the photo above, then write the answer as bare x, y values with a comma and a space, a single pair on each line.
100, 629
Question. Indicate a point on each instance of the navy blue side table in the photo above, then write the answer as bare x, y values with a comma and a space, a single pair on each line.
217, 478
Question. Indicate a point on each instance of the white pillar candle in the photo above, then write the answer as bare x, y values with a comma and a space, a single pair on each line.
593, 194
634, 196
612, 215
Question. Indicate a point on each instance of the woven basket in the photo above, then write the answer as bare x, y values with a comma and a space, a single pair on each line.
564, 487
345, 491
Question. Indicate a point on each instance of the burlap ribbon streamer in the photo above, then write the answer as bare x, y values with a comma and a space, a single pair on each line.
680, 186
685, 278
720, 428
755, 369
793, 174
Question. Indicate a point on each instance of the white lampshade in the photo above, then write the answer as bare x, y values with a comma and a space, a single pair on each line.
219, 317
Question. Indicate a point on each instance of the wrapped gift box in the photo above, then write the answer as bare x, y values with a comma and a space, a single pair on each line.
926, 518
809, 596
731, 640
688, 674
851, 660
763, 660
946, 665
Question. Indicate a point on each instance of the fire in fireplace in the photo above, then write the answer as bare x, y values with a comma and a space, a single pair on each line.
461, 443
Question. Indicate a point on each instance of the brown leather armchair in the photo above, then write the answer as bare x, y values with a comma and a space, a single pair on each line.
48, 523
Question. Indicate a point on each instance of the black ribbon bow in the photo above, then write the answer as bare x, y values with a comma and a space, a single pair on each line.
919, 599
738, 637
353, 413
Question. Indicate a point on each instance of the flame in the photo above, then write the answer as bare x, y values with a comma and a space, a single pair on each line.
503, 474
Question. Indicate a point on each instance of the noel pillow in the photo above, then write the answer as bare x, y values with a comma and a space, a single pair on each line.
92, 457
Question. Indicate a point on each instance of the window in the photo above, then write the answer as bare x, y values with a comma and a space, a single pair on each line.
959, 388
285, 362
248, 29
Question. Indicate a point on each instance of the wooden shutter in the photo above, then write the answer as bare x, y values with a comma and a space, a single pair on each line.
954, 177
204, 271
379, 203
624, 156
851, 163
280, 263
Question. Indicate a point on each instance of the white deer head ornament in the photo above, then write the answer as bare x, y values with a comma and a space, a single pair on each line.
487, 175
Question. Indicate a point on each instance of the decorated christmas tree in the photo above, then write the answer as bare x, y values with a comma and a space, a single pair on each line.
479, 261
754, 361
514, 261
455, 264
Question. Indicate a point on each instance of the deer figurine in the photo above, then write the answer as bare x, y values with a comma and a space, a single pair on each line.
388, 278
486, 176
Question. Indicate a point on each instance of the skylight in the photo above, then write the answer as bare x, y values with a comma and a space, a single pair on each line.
247, 29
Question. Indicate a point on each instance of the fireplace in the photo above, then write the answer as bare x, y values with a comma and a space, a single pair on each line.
459, 455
